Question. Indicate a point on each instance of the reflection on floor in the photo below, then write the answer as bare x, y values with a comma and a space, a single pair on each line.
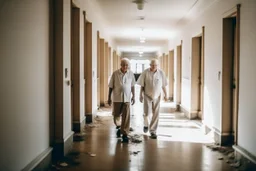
179, 146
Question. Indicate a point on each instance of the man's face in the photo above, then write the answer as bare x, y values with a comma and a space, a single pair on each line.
153, 66
124, 66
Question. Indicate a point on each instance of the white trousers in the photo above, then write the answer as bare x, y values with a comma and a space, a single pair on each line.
151, 113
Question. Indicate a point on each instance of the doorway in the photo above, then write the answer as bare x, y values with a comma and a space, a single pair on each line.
98, 69
75, 68
89, 72
197, 76
171, 74
230, 78
178, 74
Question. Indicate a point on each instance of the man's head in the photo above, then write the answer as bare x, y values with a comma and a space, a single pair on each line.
153, 65
124, 64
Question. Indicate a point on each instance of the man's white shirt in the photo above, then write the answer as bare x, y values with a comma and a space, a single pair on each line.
121, 83
153, 82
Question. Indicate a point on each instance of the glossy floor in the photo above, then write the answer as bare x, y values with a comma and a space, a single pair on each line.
180, 146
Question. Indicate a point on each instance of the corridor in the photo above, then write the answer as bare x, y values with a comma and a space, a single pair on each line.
181, 145
56, 62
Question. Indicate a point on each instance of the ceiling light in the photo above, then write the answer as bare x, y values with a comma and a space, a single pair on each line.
142, 41
140, 52
140, 4
140, 55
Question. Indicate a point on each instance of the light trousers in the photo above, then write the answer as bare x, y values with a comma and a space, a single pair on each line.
122, 110
151, 113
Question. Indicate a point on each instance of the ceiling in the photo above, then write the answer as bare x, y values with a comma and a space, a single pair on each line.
159, 24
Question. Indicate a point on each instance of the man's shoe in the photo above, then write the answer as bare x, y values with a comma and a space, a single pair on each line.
118, 133
125, 139
145, 129
153, 135
131, 129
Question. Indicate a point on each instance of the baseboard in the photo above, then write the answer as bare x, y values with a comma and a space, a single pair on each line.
223, 138
171, 99
189, 115
42, 162
89, 117
184, 110
193, 114
78, 126
244, 155
61, 148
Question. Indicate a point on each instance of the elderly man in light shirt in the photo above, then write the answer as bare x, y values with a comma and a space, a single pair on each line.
152, 81
122, 85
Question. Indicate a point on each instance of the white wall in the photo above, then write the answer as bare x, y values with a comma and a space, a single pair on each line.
66, 64
95, 16
212, 20
247, 92
24, 73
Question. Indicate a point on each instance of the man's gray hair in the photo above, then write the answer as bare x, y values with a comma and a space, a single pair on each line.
154, 61
125, 60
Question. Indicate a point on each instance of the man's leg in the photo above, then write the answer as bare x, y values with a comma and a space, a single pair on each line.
155, 117
117, 116
147, 111
125, 125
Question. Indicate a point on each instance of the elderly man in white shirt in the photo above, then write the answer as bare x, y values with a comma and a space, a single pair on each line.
122, 85
152, 81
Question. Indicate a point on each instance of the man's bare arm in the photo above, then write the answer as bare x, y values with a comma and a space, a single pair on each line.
141, 94
165, 94
133, 95
109, 96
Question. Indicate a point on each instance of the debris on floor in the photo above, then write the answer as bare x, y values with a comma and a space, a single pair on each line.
136, 138
79, 137
221, 149
236, 164
134, 152
92, 125
228, 154
220, 158
64, 164
74, 154
97, 122
54, 167
91, 154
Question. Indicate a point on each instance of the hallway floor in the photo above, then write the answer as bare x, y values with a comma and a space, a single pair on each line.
180, 146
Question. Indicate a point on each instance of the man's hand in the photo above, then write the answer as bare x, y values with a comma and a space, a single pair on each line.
133, 100
109, 102
141, 98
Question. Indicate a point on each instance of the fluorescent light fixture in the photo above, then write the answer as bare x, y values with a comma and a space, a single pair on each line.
142, 41
140, 52
140, 6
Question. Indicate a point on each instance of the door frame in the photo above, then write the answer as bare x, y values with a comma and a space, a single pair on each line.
171, 74
229, 115
178, 74
197, 76
98, 69
75, 68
